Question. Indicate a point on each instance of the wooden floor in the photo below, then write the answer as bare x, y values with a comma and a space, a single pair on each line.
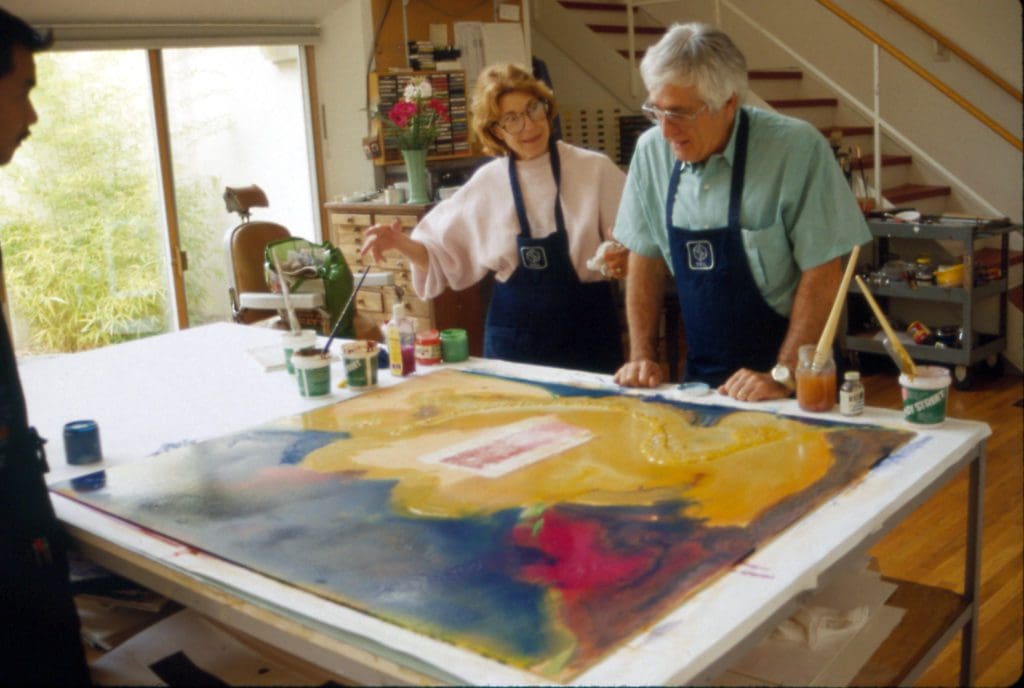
928, 547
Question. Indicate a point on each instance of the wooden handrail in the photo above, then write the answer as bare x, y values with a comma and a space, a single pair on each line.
954, 48
922, 72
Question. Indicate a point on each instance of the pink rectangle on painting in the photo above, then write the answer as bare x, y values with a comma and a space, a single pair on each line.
498, 451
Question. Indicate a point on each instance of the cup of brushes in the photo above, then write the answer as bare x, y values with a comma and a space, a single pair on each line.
816, 370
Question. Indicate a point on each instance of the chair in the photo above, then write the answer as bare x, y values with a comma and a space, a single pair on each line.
252, 299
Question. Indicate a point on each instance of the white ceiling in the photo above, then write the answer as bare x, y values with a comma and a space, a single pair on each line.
178, 11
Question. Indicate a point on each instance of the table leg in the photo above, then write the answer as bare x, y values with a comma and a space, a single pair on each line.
972, 564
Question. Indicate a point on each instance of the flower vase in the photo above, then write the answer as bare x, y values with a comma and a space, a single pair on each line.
416, 170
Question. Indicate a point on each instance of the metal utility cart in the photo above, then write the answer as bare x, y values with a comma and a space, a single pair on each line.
967, 295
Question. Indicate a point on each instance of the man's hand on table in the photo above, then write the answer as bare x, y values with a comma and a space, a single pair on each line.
749, 385
642, 372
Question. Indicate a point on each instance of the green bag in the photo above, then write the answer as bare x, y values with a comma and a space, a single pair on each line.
303, 262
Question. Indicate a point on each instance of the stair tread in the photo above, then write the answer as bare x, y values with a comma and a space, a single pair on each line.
594, 6
773, 74
803, 102
990, 255
849, 130
887, 159
615, 28
910, 192
1016, 297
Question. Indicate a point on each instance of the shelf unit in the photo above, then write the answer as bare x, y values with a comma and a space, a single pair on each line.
450, 88
452, 309
967, 296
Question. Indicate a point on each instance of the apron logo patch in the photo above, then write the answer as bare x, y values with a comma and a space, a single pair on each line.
699, 255
533, 257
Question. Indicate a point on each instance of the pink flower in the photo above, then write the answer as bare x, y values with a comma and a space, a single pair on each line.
401, 113
439, 109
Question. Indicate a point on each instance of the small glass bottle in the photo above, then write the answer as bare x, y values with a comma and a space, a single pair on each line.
401, 336
851, 394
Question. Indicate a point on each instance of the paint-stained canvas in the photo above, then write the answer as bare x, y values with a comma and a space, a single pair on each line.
539, 525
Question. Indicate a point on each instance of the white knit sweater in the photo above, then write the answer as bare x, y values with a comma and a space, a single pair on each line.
474, 232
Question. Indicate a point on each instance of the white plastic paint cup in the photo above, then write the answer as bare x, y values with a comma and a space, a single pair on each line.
312, 372
925, 397
360, 359
292, 342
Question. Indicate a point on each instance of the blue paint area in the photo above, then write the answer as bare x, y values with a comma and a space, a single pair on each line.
340, 538
308, 441
703, 415
90, 482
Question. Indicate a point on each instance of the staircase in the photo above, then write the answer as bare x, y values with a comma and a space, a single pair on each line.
786, 91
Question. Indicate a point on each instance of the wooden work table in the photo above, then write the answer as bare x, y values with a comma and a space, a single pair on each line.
201, 383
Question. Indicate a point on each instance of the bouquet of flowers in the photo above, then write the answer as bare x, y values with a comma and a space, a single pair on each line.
413, 119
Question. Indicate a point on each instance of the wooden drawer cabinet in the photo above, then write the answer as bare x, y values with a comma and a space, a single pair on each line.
465, 309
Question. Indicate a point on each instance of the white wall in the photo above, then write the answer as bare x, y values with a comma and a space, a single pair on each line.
341, 66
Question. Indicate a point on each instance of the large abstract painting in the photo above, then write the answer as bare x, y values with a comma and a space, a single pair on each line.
540, 525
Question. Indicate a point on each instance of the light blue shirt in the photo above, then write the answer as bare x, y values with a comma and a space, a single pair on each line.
797, 212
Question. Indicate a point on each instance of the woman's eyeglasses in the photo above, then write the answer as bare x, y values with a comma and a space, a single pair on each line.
513, 122
657, 115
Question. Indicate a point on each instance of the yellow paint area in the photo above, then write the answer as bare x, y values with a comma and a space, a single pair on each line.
640, 453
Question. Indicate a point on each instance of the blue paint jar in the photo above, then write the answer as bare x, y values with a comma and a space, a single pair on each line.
82, 442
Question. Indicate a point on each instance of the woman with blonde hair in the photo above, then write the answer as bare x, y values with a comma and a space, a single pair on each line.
533, 216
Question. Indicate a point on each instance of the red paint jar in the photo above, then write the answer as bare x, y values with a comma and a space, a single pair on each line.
428, 347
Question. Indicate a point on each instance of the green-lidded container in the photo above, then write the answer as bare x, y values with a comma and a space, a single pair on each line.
292, 342
312, 372
454, 345
361, 364
925, 396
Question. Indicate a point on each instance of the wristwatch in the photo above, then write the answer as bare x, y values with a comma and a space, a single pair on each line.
784, 376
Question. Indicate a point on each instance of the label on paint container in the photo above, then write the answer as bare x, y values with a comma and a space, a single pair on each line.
925, 396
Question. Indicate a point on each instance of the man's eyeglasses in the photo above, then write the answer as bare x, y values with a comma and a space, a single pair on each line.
657, 115
513, 122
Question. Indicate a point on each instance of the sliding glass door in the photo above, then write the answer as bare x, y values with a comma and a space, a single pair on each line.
236, 117
80, 213
111, 214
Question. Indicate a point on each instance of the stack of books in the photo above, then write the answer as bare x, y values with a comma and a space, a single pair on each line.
421, 56
457, 110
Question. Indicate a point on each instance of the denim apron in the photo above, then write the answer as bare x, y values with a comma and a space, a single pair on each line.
728, 323
543, 313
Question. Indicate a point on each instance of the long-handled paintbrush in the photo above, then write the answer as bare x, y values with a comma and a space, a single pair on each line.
344, 311
293, 322
824, 348
899, 354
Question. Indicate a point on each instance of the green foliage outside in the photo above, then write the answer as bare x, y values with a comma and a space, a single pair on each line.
80, 218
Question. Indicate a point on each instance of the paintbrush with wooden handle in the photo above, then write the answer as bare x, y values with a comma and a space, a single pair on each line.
900, 355
821, 353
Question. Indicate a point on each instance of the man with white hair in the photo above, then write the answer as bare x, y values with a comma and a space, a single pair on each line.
746, 208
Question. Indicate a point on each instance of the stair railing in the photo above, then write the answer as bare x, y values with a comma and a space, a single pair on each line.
873, 114
954, 48
922, 72
631, 7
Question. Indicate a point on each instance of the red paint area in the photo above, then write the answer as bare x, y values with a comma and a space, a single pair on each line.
611, 572
578, 557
